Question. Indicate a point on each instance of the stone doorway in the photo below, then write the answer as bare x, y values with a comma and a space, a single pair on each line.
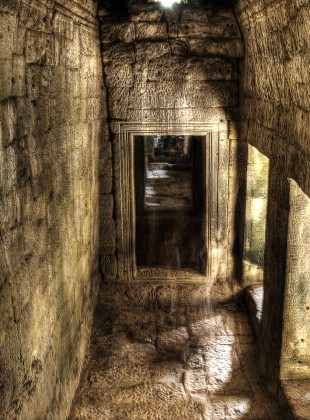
210, 218
170, 201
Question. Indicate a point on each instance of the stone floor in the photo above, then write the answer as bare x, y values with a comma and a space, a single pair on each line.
188, 362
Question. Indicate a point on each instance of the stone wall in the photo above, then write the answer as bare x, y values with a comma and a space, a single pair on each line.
170, 67
295, 362
50, 105
275, 119
257, 180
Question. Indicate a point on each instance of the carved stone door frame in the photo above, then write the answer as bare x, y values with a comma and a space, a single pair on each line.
125, 195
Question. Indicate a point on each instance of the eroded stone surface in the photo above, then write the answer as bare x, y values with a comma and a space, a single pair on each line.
275, 120
50, 120
295, 363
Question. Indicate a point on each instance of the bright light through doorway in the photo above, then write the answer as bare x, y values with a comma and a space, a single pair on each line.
168, 3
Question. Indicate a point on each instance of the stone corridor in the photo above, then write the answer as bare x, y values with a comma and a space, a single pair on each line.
91, 211
178, 362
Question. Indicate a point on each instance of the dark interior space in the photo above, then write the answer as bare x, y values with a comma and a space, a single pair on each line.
170, 202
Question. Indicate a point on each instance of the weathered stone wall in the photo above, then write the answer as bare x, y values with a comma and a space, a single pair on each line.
275, 119
50, 104
257, 180
170, 66
295, 363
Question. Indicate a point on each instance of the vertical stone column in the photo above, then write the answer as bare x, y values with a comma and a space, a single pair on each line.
295, 358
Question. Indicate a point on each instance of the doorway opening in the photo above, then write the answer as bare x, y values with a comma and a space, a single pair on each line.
170, 201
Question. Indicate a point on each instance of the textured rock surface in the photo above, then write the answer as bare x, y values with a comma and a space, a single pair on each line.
275, 119
295, 363
255, 216
50, 104
185, 362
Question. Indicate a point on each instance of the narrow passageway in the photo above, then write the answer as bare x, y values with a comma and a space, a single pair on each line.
146, 150
179, 362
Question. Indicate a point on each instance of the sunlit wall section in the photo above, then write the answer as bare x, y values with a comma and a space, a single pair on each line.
255, 219
295, 363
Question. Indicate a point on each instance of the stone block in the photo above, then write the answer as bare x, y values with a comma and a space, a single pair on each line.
89, 44
212, 115
8, 169
19, 39
34, 18
179, 46
211, 69
60, 51
117, 32
118, 54
236, 406
105, 152
119, 76
194, 359
118, 102
153, 31
106, 205
9, 121
167, 68
5, 78
105, 184
232, 130
148, 51
114, 126
223, 48
213, 23
32, 82
109, 267
220, 362
144, 13
108, 236
169, 95
195, 381
40, 48
192, 69
73, 53
143, 353
174, 340
18, 76
24, 116
208, 325
44, 75
8, 24
62, 25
